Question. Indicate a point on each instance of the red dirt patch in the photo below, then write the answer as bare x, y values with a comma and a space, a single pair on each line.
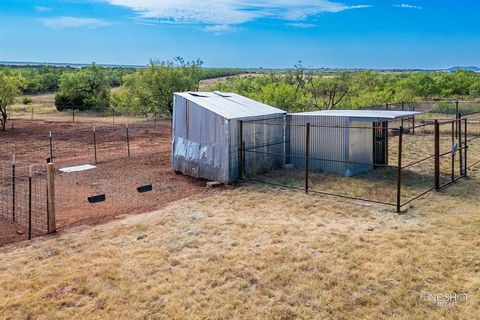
116, 175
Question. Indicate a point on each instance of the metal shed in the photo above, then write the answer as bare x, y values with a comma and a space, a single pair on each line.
349, 142
206, 134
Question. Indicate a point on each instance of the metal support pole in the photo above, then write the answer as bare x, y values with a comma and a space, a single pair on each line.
113, 116
32, 115
240, 150
30, 202
95, 143
453, 154
51, 146
403, 105
413, 119
73, 115
307, 155
128, 140
437, 156
13, 187
457, 116
460, 142
465, 163
399, 171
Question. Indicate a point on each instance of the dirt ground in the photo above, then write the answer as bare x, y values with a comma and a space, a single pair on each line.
116, 175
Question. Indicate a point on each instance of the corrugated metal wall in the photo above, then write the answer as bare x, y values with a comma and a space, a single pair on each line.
200, 142
264, 144
325, 143
361, 147
206, 145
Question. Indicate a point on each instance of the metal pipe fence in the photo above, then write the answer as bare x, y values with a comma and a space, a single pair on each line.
417, 163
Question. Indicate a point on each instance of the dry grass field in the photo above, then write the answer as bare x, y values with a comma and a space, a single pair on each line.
256, 252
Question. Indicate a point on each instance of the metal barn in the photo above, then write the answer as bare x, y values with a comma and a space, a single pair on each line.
346, 142
206, 134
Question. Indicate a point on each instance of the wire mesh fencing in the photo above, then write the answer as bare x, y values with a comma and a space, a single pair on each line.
23, 201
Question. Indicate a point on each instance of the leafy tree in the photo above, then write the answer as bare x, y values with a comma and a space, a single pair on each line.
328, 91
11, 85
153, 87
87, 89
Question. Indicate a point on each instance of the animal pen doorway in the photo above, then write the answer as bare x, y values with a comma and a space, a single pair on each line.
398, 162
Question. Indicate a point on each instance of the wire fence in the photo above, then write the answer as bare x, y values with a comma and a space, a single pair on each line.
392, 163
126, 157
23, 201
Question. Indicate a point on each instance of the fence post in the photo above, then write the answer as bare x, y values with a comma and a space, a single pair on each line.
240, 150
466, 149
453, 154
128, 140
95, 143
399, 170
51, 145
307, 155
13, 187
32, 115
457, 116
51, 222
413, 120
460, 142
30, 202
403, 105
73, 114
437, 156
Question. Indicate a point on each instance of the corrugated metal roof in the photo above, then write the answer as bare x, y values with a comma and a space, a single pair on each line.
378, 114
230, 105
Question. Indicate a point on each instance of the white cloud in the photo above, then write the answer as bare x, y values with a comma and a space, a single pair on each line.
301, 25
407, 6
73, 22
220, 28
42, 9
230, 12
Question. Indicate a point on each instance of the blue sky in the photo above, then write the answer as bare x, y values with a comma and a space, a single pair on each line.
244, 33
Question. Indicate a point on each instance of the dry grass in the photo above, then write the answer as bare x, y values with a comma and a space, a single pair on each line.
43, 106
256, 253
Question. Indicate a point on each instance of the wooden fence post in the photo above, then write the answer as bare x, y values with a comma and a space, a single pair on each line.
51, 222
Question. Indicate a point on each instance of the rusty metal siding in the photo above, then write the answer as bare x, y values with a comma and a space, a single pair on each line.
205, 144
200, 142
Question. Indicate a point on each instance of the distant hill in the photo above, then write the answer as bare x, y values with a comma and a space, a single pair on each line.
474, 69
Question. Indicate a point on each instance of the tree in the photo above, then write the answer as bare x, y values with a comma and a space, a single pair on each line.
153, 87
328, 91
88, 89
11, 85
